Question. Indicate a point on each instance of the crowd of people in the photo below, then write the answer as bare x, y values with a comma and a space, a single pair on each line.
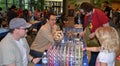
95, 22
28, 15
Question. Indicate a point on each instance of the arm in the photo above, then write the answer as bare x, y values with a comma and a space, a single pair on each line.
58, 35
34, 60
102, 18
106, 24
94, 49
103, 64
30, 58
82, 33
10, 59
92, 35
48, 35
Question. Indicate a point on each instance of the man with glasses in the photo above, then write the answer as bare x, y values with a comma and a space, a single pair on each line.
14, 49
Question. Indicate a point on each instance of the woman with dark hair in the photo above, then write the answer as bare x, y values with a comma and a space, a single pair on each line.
25, 15
107, 9
11, 13
93, 19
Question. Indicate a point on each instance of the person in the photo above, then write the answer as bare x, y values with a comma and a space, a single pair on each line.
93, 19
109, 40
62, 20
1, 16
51, 10
37, 14
78, 19
25, 15
11, 13
45, 37
116, 17
19, 11
14, 49
107, 9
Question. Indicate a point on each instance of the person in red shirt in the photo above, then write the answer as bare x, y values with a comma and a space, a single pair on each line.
20, 12
94, 18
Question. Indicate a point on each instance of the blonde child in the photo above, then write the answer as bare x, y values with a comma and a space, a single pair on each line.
109, 40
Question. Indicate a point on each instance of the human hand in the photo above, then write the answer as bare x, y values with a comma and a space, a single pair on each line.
70, 34
92, 35
83, 48
34, 30
58, 35
36, 60
81, 34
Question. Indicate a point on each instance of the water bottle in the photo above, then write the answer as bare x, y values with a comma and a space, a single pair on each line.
79, 21
45, 59
76, 39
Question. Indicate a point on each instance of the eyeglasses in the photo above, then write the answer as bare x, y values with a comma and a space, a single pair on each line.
23, 28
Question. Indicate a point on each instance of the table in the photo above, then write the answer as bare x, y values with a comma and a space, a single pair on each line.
68, 54
3, 32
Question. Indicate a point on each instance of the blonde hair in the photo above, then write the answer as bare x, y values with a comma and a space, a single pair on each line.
108, 38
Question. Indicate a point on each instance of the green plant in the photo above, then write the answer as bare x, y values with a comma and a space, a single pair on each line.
39, 4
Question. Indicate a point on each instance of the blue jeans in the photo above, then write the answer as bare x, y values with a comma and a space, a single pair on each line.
93, 58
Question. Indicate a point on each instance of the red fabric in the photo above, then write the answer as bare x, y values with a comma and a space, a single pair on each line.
118, 58
98, 19
20, 12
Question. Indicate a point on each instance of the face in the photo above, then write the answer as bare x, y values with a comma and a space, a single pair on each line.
30, 13
104, 4
22, 32
52, 20
82, 11
86, 14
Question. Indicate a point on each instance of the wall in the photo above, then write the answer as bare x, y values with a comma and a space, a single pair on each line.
116, 5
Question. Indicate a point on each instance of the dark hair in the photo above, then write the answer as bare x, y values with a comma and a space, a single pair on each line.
49, 14
87, 7
106, 2
0, 9
13, 7
11, 30
25, 11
